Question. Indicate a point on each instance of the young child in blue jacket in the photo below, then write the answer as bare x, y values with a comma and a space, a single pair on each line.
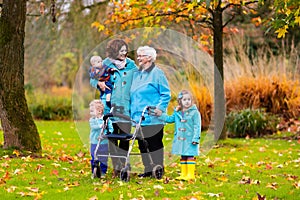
96, 125
187, 134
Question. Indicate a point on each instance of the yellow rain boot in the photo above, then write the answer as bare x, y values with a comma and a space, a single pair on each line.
191, 163
183, 170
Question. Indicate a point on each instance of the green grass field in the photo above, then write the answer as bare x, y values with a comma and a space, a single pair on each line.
233, 169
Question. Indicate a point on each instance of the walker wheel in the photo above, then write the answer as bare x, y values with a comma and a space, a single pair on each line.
124, 174
96, 172
158, 172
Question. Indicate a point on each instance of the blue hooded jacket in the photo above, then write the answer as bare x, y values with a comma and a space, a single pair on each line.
187, 131
122, 80
149, 88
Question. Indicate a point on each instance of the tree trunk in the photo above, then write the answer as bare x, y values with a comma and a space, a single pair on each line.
18, 126
219, 98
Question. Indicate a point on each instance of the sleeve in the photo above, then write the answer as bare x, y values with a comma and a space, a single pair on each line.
94, 124
167, 118
197, 127
164, 91
93, 82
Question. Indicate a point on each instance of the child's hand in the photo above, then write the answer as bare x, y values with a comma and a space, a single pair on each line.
178, 108
102, 85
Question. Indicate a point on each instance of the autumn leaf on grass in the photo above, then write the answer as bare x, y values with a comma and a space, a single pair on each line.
93, 198
222, 178
248, 180
11, 189
56, 165
166, 180
6, 176
33, 189
39, 167
158, 187
80, 154
269, 166
54, 172
4, 165
214, 195
290, 177
105, 188
260, 197
17, 171
297, 185
16, 152
273, 186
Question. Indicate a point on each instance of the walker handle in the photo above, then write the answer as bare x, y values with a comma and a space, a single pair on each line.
127, 118
151, 107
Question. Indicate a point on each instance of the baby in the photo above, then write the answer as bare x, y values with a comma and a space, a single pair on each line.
101, 73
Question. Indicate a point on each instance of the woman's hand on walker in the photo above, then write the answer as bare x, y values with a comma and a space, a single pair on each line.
157, 112
102, 85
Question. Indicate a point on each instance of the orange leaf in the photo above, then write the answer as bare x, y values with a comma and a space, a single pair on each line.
54, 172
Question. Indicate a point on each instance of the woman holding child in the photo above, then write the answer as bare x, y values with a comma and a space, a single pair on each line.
121, 79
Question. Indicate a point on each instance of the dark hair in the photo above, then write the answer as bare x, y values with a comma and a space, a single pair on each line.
113, 47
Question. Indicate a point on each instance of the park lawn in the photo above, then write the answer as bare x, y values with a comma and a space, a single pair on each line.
233, 169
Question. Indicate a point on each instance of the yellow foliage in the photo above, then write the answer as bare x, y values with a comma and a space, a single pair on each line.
282, 31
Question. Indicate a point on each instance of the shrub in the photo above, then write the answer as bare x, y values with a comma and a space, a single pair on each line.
53, 105
248, 122
275, 95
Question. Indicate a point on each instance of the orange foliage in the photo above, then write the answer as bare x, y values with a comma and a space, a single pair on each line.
204, 103
61, 91
278, 96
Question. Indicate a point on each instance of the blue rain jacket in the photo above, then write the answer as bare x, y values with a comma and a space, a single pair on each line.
122, 80
149, 88
187, 130
96, 125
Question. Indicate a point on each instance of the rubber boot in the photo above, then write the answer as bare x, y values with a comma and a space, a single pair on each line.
183, 170
191, 163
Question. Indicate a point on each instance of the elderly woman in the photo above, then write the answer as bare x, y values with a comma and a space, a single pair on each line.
123, 68
149, 88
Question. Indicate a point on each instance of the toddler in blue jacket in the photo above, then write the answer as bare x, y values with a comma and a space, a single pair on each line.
96, 125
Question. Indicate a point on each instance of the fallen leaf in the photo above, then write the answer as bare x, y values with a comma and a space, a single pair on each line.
16, 152
297, 185
32, 189
273, 186
93, 198
260, 197
54, 172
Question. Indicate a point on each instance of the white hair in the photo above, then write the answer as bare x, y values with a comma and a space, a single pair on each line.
95, 59
149, 51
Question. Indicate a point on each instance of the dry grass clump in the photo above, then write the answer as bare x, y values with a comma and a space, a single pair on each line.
204, 103
275, 95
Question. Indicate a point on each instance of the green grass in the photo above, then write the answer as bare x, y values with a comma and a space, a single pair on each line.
234, 169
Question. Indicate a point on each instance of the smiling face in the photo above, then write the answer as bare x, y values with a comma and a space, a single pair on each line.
122, 53
186, 101
144, 61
